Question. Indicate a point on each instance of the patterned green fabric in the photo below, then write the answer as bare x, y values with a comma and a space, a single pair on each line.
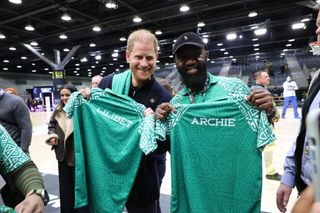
5, 209
215, 150
11, 156
121, 83
107, 152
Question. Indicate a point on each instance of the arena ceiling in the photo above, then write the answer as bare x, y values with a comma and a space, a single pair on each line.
219, 16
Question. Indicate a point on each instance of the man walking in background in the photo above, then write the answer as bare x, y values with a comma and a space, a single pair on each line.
289, 95
262, 81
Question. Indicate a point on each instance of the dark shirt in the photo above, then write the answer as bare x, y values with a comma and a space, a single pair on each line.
15, 118
145, 189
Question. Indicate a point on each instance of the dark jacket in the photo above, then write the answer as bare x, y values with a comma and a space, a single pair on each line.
15, 118
62, 128
314, 88
145, 189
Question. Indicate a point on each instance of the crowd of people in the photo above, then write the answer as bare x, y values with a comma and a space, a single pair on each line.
216, 129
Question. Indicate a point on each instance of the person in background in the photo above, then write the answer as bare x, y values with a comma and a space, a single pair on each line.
297, 165
262, 80
289, 95
15, 118
17, 168
11, 90
60, 137
95, 80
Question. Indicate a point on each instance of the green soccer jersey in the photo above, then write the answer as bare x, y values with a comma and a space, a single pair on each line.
216, 150
108, 149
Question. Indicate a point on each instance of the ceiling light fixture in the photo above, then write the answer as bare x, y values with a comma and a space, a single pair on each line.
288, 45
252, 14
201, 24
96, 28
2, 36
260, 31
29, 27
291, 40
219, 44
122, 39
184, 8
84, 59
66, 49
111, 4
16, 1
33, 43
114, 55
137, 19
205, 40
23, 57
12, 48
92, 44
66, 17
6, 61
231, 36
158, 32
298, 25
98, 57
305, 20
63, 36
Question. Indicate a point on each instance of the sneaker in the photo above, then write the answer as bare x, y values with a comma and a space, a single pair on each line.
276, 177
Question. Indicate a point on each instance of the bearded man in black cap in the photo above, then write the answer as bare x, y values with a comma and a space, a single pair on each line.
216, 136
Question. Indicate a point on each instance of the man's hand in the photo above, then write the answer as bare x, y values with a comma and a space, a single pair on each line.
86, 93
163, 110
148, 111
54, 141
31, 204
283, 195
261, 98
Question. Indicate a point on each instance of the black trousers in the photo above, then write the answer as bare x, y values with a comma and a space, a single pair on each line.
66, 187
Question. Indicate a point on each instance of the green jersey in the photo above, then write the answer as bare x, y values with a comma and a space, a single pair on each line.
216, 150
107, 148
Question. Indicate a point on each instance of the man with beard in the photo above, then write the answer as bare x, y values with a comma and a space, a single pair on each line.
216, 136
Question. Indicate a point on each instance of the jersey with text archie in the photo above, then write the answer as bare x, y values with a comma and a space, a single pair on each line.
216, 150
107, 152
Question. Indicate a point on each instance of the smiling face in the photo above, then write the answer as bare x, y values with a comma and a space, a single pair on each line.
191, 63
142, 61
65, 95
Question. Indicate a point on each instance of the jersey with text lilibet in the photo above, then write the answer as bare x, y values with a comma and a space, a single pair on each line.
216, 151
107, 148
